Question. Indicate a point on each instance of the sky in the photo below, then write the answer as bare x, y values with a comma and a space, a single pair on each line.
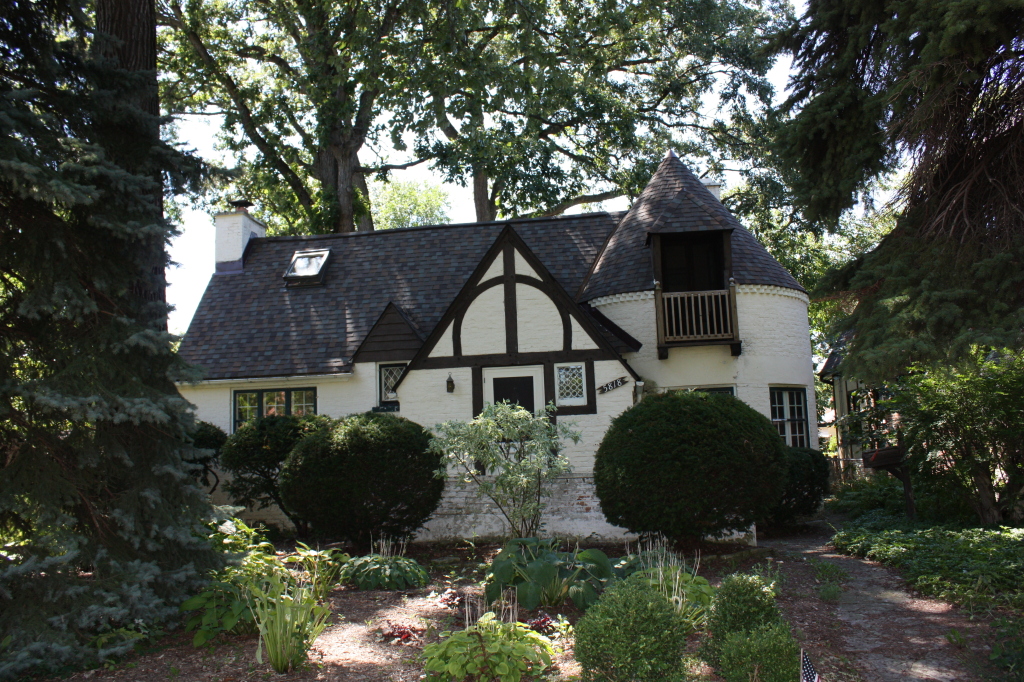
192, 251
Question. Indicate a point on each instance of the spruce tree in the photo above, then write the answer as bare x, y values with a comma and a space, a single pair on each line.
98, 510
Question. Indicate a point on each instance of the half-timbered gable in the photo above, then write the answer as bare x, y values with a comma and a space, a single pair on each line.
585, 311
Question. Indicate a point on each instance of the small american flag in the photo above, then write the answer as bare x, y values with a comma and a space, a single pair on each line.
807, 671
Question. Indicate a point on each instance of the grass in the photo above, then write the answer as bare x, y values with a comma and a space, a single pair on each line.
973, 567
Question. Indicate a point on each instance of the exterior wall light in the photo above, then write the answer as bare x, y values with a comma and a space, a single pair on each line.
450, 383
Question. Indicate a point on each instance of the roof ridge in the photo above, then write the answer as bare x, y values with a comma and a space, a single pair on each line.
404, 230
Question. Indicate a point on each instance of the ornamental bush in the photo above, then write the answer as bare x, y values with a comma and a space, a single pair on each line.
254, 455
366, 476
632, 633
767, 653
742, 603
806, 485
687, 465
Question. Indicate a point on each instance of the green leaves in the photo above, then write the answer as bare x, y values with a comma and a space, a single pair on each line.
543, 576
489, 650
377, 572
510, 454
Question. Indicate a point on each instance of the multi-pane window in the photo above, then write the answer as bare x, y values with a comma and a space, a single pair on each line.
276, 402
569, 385
789, 414
389, 376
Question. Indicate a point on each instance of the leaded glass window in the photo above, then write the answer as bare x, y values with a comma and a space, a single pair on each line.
389, 375
789, 414
569, 385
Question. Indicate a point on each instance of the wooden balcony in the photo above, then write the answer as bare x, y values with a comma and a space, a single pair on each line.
695, 318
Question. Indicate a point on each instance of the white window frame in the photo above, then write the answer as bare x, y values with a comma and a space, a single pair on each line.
786, 421
571, 402
535, 371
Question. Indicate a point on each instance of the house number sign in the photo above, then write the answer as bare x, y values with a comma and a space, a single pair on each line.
612, 385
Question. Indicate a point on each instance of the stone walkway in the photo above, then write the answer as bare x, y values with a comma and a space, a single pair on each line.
888, 634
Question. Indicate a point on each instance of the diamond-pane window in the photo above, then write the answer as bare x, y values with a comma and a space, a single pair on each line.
389, 375
569, 387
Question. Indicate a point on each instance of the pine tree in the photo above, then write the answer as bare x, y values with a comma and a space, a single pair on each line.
937, 85
98, 510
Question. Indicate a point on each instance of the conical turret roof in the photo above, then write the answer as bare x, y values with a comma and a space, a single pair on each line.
674, 201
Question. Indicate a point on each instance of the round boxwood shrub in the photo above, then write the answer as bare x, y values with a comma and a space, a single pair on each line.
806, 485
632, 633
688, 465
767, 653
742, 603
254, 455
366, 476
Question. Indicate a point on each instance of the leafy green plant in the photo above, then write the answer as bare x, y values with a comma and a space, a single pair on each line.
323, 567
544, 576
668, 573
511, 455
741, 604
974, 567
289, 619
631, 633
223, 605
767, 653
830, 592
378, 572
828, 572
489, 650
1008, 651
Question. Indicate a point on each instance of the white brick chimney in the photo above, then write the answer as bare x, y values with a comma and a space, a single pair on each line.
234, 230
714, 186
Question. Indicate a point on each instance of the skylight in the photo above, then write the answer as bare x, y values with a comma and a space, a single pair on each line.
307, 267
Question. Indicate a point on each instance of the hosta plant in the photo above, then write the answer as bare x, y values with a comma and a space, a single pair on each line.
322, 567
378, 572
489, 650
544, 576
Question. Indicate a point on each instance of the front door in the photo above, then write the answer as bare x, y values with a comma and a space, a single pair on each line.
515, 390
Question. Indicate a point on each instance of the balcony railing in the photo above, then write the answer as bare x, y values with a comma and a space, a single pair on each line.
696, 316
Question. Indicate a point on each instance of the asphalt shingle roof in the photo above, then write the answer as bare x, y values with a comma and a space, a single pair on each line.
676, 201
251, 325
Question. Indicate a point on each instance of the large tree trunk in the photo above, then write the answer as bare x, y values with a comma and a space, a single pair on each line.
365, 220
985, 495
338, 169
132, 26
486, 209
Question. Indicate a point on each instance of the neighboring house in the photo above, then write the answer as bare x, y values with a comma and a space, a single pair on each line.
585, 311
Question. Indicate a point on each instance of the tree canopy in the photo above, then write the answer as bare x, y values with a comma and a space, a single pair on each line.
97, 505
937, 85
538, 105
408, 204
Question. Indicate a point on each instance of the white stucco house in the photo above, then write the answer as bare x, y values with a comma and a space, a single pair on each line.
586, 311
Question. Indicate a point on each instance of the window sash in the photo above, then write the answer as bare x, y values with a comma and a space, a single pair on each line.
272, 402
571, 384
388, 376
789, 414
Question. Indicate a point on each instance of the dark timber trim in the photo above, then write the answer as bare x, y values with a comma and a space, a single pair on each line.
511, 314
506, 245
478, 389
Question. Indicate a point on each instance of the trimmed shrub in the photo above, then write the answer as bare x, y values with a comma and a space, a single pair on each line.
742, 603
632, 633
767, 653
806, 485
254, 455
209, 438
687, 465
366, 476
